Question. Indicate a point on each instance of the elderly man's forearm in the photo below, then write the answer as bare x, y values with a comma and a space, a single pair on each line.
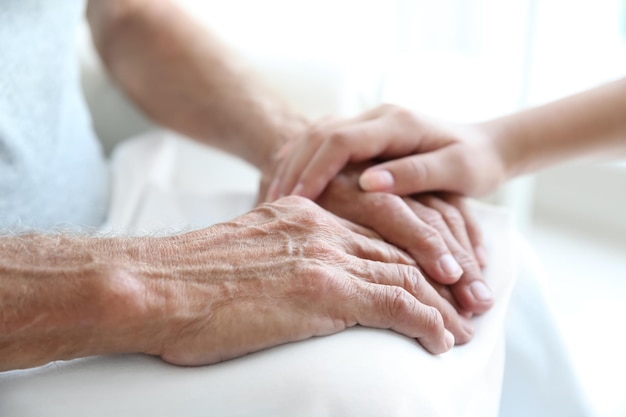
62, 298
185, 79
190, 300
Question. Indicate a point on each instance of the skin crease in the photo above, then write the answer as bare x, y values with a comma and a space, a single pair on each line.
68, 296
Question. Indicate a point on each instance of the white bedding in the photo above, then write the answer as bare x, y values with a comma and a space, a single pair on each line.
359, 372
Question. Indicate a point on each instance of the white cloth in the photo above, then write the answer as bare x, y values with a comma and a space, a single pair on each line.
539, 379
358, 372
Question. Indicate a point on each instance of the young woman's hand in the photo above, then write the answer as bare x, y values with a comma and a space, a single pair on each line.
420, 155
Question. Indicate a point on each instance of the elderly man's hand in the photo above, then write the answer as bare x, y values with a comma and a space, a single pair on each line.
284, 272
421, 225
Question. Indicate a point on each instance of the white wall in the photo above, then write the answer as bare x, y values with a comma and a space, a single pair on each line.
577, 45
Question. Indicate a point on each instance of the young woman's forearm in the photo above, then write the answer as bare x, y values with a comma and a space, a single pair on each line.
580, 125
185, 79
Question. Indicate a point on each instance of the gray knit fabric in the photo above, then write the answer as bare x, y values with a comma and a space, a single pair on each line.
52, 171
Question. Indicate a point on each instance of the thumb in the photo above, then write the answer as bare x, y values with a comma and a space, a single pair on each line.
433, 171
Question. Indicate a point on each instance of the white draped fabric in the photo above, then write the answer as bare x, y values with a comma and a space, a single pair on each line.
359, 372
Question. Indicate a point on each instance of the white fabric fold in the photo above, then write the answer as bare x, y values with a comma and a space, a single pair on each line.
358, 372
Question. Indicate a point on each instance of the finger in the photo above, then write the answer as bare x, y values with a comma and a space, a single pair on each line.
304, 152
412, 280
317, 169
283, 157
358, 142
365, 243
368, 268
296, 162
472, 227
393, 219
448, 215
434, 171
376, 250
471, 291
392, 307
357, 228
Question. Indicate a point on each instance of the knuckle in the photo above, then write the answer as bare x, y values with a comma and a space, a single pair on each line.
304, 211
318, 135
340, 139
430, 237
402, 114
413, 280
316, 279
399, 303
306, 216
313, 271
386, 108
433, 320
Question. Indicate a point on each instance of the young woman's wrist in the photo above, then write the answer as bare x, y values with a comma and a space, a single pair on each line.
505, 140
292, 127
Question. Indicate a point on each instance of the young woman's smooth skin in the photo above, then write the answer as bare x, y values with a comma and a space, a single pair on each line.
471, 159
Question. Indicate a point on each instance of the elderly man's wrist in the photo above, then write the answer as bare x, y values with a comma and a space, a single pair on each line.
136, 286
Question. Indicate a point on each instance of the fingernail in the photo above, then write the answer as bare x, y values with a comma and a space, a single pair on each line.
450, 266
481, 255
449, 339
376, 180
297, 190
480, 291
